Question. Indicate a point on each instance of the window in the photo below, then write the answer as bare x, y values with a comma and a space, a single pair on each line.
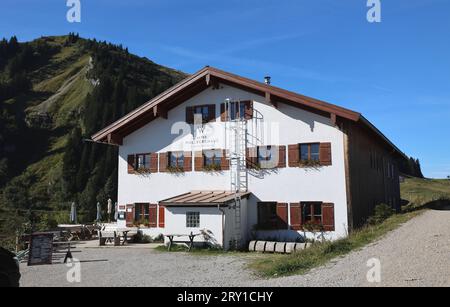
312, 213
237, 110
267, 215
203, 111
212, 158
176, 159
143, 161
309, 152
265, 153
142, 213
207, 113
193, 219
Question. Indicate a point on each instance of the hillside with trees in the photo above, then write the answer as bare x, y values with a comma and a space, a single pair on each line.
55, 92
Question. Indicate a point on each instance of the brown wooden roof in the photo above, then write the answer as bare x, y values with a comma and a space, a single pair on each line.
202, 198
210, 76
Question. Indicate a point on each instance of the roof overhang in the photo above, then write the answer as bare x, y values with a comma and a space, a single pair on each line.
159, 106
203, 199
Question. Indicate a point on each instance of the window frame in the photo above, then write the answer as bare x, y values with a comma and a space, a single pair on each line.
216, 158
205, 115
237, 110
310, 153
179, 159
143, 214
193, 219
315, 219
146, 163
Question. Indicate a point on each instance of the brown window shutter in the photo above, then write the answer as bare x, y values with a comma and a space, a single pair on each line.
198, 161
224, 165
252, 157
162, 216
325, 154
294, 155
131, 164
281, 156
153, 215
153, 163
212, 112
248, 109
328, 216
282, 213
223, 113
129, 215
190, 115
188, 161
296, 216
163, 162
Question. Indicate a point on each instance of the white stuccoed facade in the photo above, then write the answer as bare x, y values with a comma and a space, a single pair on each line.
286, 125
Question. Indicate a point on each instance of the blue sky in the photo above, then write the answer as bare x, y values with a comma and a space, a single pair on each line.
397, 72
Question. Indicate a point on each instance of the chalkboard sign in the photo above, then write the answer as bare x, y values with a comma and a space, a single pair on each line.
41, 249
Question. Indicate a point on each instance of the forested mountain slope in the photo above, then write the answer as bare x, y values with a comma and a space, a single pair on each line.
55, 92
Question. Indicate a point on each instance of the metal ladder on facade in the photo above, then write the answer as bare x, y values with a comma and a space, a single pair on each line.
236, 128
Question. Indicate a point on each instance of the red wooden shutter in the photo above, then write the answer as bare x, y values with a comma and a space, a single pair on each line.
325, 154
188, 161
328, 216
248, 109
152, 210
131, 164
294, 155
296, 216
212, 113
281, 156
252, 157
153, 163
198, 161
163, 162
129, 215
282, 213
190, 115
224, 163
162, 216
223, 113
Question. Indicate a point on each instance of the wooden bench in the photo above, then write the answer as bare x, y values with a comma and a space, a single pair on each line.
108, 236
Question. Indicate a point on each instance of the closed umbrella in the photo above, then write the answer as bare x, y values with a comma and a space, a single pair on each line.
116, 212
73, 214
99, 213
109, 209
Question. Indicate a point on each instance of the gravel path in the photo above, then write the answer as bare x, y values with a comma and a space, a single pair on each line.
416, 254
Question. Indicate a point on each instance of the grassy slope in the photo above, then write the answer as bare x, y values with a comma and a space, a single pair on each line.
422, 191
418, 191
47, 81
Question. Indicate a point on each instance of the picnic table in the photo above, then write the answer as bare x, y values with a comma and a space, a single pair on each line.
78, 232
190, 242
115, 235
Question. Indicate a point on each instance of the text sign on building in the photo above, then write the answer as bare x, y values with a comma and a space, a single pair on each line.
41, 249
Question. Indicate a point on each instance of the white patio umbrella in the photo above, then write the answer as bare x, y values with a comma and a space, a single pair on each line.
109, 209
99, 213
73, 213
116, 211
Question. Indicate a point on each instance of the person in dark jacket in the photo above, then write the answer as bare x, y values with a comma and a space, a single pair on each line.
9, 269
